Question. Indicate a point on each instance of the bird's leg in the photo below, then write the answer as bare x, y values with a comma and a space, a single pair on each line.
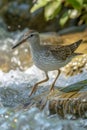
52, 86
36, 85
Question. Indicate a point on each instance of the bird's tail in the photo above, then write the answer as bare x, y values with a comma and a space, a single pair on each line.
75, 45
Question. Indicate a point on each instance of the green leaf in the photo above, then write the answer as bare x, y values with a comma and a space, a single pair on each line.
77, 4
52, 9
75, 87
64, 18
39, 4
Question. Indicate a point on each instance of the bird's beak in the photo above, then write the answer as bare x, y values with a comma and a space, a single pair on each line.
19, 43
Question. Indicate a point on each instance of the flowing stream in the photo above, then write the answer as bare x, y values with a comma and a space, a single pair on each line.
17, 75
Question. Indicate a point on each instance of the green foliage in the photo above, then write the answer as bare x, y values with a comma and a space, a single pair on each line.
64, 18
39, 4
53, 8
77, 4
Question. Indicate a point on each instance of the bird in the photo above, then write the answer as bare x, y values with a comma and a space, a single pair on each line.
48, 57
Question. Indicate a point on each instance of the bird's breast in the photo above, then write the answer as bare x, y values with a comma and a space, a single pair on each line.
47, 63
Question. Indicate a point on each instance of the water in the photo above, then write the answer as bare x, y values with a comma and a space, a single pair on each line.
17, 76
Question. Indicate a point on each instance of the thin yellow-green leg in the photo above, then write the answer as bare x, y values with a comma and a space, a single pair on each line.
52, 86
38, 83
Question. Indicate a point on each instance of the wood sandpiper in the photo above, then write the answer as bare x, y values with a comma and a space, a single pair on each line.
48, 57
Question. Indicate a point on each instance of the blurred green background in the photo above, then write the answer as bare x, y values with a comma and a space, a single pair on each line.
42, 15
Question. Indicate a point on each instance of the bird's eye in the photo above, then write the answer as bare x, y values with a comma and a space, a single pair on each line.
31, 35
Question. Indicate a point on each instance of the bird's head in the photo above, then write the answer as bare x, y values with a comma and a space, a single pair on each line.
32, 37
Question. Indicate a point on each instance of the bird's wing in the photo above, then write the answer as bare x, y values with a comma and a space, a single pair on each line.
63, 52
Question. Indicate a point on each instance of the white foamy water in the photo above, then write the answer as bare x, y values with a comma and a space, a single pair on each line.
33, 73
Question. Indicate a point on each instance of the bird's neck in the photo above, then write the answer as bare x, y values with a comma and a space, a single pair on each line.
35, 46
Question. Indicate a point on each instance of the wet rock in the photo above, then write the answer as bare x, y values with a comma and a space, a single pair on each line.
69, 102
5, 61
